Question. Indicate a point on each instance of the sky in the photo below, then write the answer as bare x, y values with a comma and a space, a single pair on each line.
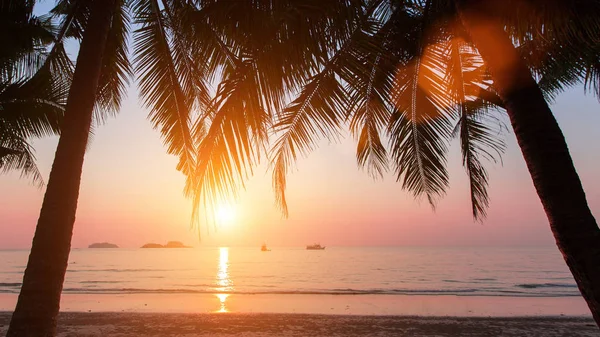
131, 194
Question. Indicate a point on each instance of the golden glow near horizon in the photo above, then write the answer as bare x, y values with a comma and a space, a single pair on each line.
223, 281
225, 215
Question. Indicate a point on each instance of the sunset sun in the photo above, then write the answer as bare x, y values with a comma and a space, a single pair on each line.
225, 215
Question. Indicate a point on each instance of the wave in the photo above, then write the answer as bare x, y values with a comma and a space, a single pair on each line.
346, 291
3, 284
527, 290
546, 285
125, 270
521, 290
272, 292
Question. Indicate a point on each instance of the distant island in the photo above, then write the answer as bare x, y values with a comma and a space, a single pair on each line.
170, 244
103, 245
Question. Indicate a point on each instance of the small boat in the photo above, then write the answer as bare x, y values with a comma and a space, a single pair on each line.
264, 248
315, 246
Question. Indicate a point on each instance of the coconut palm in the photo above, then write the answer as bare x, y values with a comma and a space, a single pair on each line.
405, 76
99, 79
538, 135
31, 96
420, 97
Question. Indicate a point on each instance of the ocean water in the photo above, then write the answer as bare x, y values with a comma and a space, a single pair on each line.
483, 271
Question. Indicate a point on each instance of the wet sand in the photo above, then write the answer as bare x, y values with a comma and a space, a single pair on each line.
129, 315
362, 305
254, 325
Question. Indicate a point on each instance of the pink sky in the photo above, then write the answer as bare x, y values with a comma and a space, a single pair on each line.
131, 194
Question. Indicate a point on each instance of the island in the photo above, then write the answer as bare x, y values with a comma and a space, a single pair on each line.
103, 245
170, 244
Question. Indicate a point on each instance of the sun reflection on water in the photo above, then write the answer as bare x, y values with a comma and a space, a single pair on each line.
222, 299
223, 281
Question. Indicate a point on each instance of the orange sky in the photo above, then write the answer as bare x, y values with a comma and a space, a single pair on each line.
131, 194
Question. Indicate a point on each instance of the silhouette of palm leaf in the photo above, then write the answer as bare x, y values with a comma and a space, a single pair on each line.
32, 86
159, 82
116, 68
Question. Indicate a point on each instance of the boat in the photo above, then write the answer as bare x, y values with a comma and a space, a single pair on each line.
315, 246
264, 248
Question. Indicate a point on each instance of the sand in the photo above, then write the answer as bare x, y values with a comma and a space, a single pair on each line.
254, 325
314, 315
362, 305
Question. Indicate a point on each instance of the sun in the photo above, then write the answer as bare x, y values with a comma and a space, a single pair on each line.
225, 215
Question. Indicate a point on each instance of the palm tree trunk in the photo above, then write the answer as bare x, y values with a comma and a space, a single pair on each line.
544, 149
38, 304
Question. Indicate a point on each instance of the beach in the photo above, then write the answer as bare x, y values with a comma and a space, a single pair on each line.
291, 292
315, 315
250, 325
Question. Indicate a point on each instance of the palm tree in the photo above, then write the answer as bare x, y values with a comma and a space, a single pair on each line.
538, 134
31, 97
38, 303
414, 74
99, 80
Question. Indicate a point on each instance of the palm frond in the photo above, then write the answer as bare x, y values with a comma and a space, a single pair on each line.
230, 148
370, 96
420, 126
479, 136
31, 108
18, 155
160, 85
478, 132
367, 124
74, 15
34, 108
558, 39
555, 67
369, 78
116, 68
193, 77
318, 111
24, 45
562, 22
25, 39
592, 75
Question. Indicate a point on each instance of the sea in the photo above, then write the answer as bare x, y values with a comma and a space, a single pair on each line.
460, 271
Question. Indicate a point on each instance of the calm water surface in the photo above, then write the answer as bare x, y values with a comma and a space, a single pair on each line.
461, 271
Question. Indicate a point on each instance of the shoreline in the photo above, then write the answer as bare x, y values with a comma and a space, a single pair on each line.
358, 305
265, 324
